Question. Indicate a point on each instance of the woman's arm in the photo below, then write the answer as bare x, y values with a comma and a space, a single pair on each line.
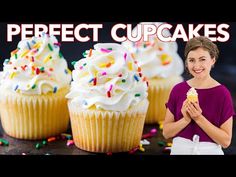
172, 127
221, 135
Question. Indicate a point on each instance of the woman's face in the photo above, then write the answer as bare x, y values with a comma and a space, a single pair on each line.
199, 63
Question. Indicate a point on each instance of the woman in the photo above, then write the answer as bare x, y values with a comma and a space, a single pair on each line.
203, 126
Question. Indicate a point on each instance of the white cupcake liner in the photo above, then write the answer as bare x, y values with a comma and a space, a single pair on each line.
34, 117
107, 131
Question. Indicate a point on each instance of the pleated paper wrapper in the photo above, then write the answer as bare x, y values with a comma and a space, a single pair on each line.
107, 131
158, 94
34, 117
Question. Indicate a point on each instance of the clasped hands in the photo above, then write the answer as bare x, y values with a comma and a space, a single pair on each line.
191, 110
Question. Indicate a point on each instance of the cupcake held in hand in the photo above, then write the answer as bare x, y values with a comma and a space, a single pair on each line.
107, 100
162, 66
192, 95
34, 83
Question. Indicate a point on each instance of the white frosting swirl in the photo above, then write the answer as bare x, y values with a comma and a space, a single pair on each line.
192, 91
36, 67
156, 58
107, 78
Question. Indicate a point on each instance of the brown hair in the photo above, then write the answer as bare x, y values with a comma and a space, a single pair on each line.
204, 43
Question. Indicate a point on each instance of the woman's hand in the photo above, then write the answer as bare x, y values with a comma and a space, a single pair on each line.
184, 111
194, 110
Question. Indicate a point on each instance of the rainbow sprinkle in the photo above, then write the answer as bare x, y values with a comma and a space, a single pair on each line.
130, 65
6, 61
42, 69
34, 86
136, 78
108, 94
95, 81
90, 53
12, 75
84, 54
24, 53
47, 59
108, 65
165, 59
60, 55
50, 47
37, 45
28, 45
32, 59
106, 50
57, 44
37, 71
104, 73
125, 56
54, 89
33, 41
17, 86
85, 102
137, 95
73, 63
91, 80
111, 86
139, 69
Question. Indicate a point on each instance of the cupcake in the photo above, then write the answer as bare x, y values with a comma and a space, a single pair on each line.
107, 100
34, 83
162, 66
192, 95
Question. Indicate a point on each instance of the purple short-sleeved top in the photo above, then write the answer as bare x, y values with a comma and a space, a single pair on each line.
216, 104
